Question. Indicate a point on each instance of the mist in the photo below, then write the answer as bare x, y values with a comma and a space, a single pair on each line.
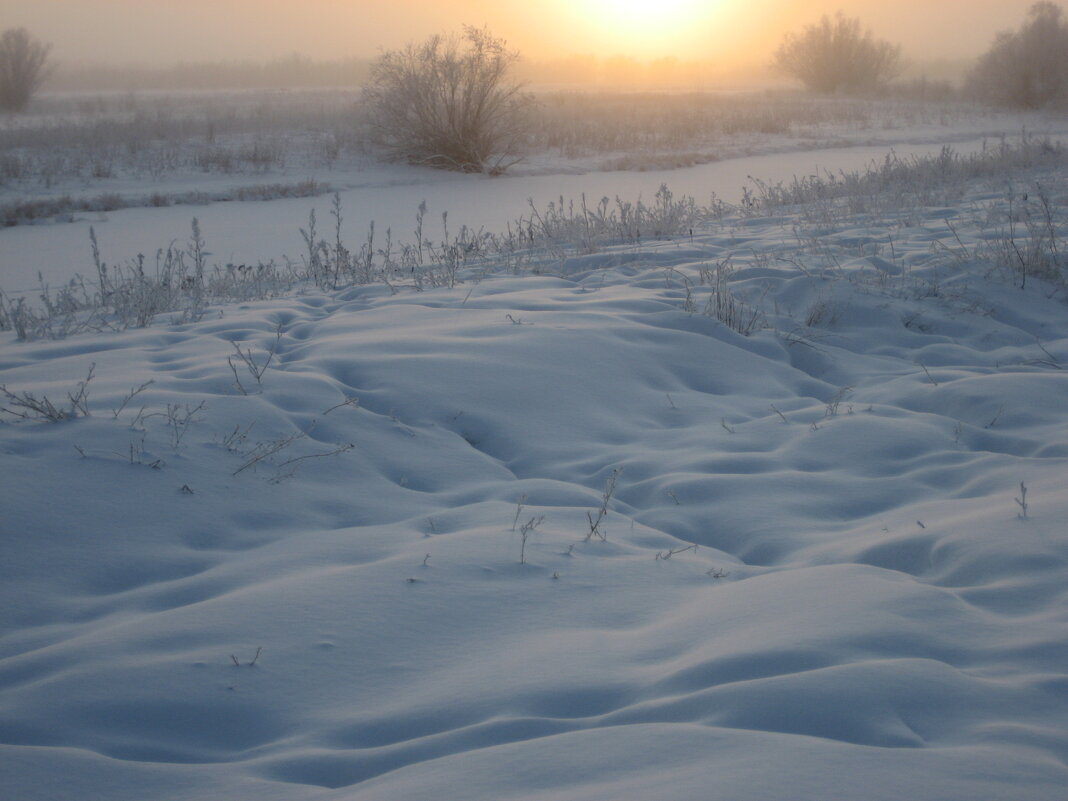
330, 42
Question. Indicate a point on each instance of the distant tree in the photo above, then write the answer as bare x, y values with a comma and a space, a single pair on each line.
837, 55
23, 68
1027, 68
449, 103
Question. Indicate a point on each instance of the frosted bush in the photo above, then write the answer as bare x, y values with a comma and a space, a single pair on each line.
838, 55
448, 103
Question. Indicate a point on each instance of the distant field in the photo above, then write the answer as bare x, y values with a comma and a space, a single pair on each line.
86, 142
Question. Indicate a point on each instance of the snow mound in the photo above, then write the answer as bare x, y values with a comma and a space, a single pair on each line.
349, 545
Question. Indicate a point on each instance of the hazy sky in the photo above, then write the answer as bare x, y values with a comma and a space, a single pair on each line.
727, 31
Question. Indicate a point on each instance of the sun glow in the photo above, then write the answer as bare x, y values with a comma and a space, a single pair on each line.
645, 27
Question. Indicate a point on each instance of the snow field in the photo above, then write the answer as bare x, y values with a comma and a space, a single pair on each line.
868, 612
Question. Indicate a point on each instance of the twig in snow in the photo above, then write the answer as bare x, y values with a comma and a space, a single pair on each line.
595, 522
518, 509
250, 664
354, 402
525, 531
663, 556
265, 450
134, 392
996, 417
255, 368
1022, 502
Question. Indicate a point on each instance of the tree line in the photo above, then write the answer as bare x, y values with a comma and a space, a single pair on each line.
453, 102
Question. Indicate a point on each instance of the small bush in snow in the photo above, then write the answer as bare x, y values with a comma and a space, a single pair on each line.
448, 103
255, 367
1029, 242
724, 306
23, 68
1027, 68
27, 406
837, 55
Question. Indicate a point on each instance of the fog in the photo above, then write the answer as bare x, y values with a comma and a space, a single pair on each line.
730, 35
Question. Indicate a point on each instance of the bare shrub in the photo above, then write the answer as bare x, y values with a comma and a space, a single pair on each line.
448, 103
837, 55
1027, 68
23, 68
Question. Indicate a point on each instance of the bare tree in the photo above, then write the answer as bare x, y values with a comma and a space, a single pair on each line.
23, 68
1027, 68
838, 55
448, 103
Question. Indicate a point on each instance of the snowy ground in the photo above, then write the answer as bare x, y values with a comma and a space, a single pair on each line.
379, 569
387, 196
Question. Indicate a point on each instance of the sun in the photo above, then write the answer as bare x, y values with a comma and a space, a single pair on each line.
643, 27
638, 11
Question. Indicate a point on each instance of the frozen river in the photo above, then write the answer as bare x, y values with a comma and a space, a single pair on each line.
250, 232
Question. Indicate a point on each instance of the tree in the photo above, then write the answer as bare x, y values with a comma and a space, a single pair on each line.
23, 68
837, 55
1027, 68
448, 103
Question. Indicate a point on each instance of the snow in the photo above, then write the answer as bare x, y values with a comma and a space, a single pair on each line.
252, 232
867, 613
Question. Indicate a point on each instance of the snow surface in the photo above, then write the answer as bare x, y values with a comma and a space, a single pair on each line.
866, 613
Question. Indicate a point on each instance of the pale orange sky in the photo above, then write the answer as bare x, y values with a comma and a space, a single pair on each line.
726, 31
